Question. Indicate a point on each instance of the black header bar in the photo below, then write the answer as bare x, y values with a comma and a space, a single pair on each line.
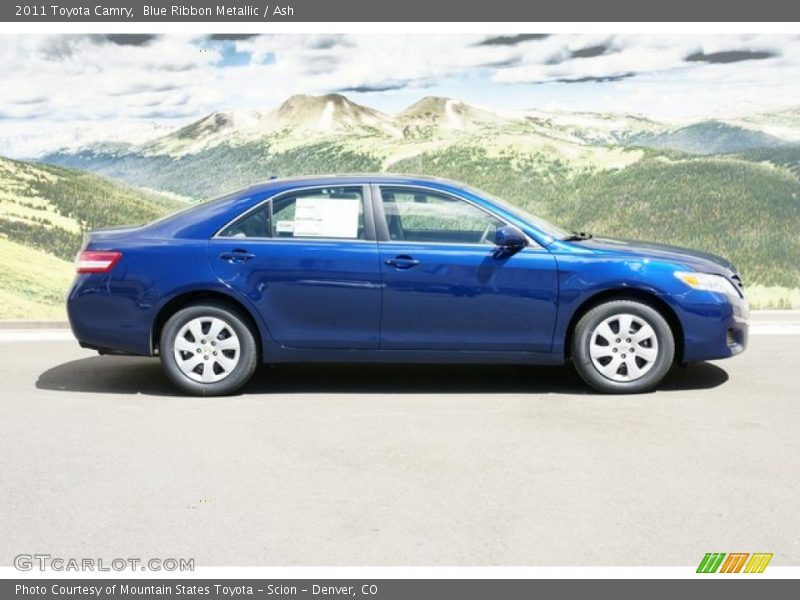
261, 11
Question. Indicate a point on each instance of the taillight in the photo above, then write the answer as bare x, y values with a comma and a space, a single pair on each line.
90, 261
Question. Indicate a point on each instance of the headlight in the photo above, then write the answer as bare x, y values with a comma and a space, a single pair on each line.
708, 282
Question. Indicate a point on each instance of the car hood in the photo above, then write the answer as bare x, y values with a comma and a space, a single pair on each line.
694, 258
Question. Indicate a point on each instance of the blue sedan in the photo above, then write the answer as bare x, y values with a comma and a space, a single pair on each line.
396, 269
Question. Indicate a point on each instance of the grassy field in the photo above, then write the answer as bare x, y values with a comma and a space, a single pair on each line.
763, 297
33, 283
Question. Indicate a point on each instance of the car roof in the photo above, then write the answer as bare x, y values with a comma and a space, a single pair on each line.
357, 179
198, 220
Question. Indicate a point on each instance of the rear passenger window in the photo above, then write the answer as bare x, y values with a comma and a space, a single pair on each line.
254, 225
334, 212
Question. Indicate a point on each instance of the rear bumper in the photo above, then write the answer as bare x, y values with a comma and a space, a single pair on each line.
106, 320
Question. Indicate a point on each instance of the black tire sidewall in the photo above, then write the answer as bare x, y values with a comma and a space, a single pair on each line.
247, 349
587, 324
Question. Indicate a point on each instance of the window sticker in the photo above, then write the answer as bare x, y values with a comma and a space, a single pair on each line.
326, 217
284, 226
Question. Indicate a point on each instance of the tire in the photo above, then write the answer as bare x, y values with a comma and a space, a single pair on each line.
613, 368
226, 346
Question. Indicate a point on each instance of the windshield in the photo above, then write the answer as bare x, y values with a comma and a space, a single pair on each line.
545, 227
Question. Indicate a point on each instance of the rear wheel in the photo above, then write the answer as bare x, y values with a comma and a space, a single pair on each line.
208, 350
623, 346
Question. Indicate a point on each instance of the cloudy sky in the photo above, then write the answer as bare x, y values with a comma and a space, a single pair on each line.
121, 86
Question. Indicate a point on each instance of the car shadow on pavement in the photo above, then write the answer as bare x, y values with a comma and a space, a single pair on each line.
108, 375
132, 375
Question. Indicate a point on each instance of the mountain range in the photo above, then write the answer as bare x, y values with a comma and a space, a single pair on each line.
721, 185
301, 117
330, 133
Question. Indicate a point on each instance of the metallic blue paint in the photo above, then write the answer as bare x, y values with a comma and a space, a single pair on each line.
339, 300
313, 294
464, 297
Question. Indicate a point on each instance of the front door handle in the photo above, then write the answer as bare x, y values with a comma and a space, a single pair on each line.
401, 262
237, 256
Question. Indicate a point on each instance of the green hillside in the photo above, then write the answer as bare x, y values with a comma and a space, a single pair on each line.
215, 171
50, 208
747, 212
44, 212
709, 137
785, 156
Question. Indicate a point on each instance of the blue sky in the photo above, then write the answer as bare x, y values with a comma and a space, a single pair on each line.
127, 83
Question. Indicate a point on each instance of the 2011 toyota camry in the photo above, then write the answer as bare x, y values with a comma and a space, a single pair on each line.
395, 269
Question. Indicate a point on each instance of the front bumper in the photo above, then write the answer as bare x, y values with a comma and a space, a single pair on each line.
714, 326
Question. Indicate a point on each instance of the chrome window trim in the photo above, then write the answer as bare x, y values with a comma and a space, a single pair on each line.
292, 240
535, 246
369, 202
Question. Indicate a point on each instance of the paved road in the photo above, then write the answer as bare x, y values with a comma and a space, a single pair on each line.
398, 465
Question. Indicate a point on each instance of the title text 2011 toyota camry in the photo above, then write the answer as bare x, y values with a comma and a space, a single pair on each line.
395, 269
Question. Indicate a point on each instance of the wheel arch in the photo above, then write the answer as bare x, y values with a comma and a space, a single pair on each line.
193, 297
644, 296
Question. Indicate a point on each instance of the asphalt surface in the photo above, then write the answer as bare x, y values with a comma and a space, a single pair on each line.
398, 465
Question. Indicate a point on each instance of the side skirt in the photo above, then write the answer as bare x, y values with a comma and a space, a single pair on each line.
280, 354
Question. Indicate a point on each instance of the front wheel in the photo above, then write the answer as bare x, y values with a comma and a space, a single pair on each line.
208, 350
623, 347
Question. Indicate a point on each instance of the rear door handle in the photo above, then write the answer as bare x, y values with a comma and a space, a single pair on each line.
237, 256
401, 262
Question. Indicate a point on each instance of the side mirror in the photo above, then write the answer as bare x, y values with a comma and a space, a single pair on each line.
510, 238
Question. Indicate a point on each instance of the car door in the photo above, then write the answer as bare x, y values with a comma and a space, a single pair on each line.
446, 286
308, 261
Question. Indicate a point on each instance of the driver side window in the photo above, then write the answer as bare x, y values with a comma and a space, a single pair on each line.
414, 215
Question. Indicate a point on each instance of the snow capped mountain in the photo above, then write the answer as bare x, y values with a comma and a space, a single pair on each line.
332, 113
433, 113
300, 117
304, 119
214, 129
429, 125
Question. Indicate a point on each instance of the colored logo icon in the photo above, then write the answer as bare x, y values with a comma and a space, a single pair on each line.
735, 562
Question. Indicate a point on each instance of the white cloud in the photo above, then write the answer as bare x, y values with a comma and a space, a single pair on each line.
632, 55
63, 79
